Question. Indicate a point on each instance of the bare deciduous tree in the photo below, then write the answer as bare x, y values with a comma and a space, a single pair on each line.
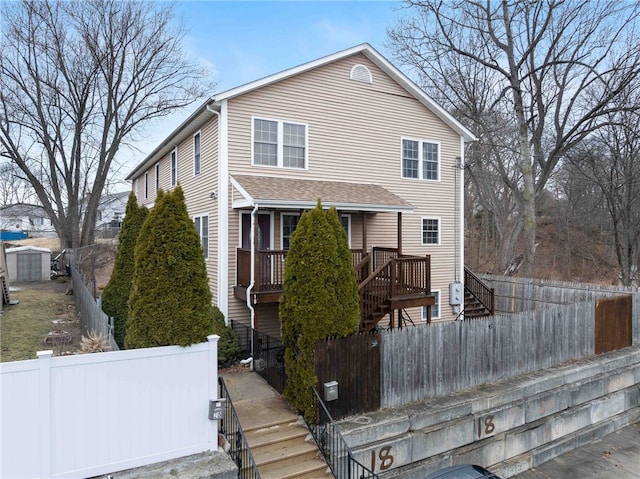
552, 68
610, 163
78, 81
13, 186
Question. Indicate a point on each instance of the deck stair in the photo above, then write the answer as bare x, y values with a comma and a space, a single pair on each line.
5, 289
280, 442
479, 299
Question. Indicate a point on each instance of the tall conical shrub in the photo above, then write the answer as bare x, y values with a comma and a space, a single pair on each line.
315, 282
116, 293
170, 302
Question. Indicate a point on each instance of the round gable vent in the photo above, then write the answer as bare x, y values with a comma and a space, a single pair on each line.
361, 73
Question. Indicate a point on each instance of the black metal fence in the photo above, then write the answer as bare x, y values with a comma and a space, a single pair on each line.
239, 448
333, 446
268, 354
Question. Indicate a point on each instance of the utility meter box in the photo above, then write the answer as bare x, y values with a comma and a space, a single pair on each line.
455, 294
331, 391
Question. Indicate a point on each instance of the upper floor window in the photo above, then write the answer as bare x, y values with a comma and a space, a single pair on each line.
279, 143
146, 185
430, 231
196, 154
157, 177
420, 160
202, 227
174, 167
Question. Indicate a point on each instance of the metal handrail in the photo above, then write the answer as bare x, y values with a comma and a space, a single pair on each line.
333, 446
232, 430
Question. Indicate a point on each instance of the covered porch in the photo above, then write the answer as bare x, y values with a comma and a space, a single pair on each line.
389, 281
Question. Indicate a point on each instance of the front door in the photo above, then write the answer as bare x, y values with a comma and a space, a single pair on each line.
264, 243
264, 231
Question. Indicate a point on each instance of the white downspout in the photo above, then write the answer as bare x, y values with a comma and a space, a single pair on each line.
252, 234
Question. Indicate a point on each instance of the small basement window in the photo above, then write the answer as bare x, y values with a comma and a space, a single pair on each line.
361, 73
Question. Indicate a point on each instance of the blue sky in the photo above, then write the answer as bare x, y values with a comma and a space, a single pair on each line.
242, 41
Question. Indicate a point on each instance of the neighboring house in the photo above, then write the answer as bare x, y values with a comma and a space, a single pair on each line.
349, 129
111, 209
30, 219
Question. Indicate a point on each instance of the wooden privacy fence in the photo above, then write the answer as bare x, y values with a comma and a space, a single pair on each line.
613, 324
412, 364
354, 362
514, 295
418, 363
92, 318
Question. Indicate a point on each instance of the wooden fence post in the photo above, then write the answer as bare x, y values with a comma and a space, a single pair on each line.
44, 412
213, 387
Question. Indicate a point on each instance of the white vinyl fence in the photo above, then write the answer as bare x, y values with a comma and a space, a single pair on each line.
85, 415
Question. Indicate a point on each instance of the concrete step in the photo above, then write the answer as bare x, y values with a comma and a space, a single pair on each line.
276, 433
306, 467
283, 450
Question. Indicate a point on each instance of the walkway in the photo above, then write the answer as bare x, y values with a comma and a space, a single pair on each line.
279, 440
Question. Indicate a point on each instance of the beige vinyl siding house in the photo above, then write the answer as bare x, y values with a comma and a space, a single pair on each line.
348, 127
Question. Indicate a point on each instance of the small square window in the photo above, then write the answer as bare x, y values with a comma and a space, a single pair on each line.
430, 231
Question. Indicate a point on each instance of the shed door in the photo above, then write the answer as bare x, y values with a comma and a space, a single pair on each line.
29, 267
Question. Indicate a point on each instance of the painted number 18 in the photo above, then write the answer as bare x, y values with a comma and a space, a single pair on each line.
384, 459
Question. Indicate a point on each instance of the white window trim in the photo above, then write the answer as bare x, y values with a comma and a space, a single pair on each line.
439, 230
146, 185
280, 145
193, 146
348, 216
282, 215
173, 158
200, 216
420, 159
423, 314
157, 173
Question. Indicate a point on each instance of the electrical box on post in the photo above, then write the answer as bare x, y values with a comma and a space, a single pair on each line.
455, 294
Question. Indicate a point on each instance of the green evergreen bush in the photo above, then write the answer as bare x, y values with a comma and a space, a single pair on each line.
228, 348
170, 301
116, 293
318, 299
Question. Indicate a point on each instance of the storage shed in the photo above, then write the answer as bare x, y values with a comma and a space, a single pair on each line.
29, 263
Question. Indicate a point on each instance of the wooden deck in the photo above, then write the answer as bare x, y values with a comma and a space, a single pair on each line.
398, 282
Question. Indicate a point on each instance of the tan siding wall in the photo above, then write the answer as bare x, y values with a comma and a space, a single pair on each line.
197, 189
354, 134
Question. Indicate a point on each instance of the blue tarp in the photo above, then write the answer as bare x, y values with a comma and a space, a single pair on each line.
12, 235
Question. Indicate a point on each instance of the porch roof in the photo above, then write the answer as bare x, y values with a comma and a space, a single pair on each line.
293, 193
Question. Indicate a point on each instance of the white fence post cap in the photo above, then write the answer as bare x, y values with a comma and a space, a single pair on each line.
45, 354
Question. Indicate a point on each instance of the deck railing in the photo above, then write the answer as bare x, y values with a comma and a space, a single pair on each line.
333, 446
230, 427
270, 268
479, 290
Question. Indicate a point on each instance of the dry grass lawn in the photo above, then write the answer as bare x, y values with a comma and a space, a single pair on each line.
43, 308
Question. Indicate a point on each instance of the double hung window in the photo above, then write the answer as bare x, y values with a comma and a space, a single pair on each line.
279, 143
420, 160
202, 227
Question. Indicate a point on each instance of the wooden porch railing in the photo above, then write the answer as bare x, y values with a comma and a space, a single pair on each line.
475, 286
270, 268
396, 278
